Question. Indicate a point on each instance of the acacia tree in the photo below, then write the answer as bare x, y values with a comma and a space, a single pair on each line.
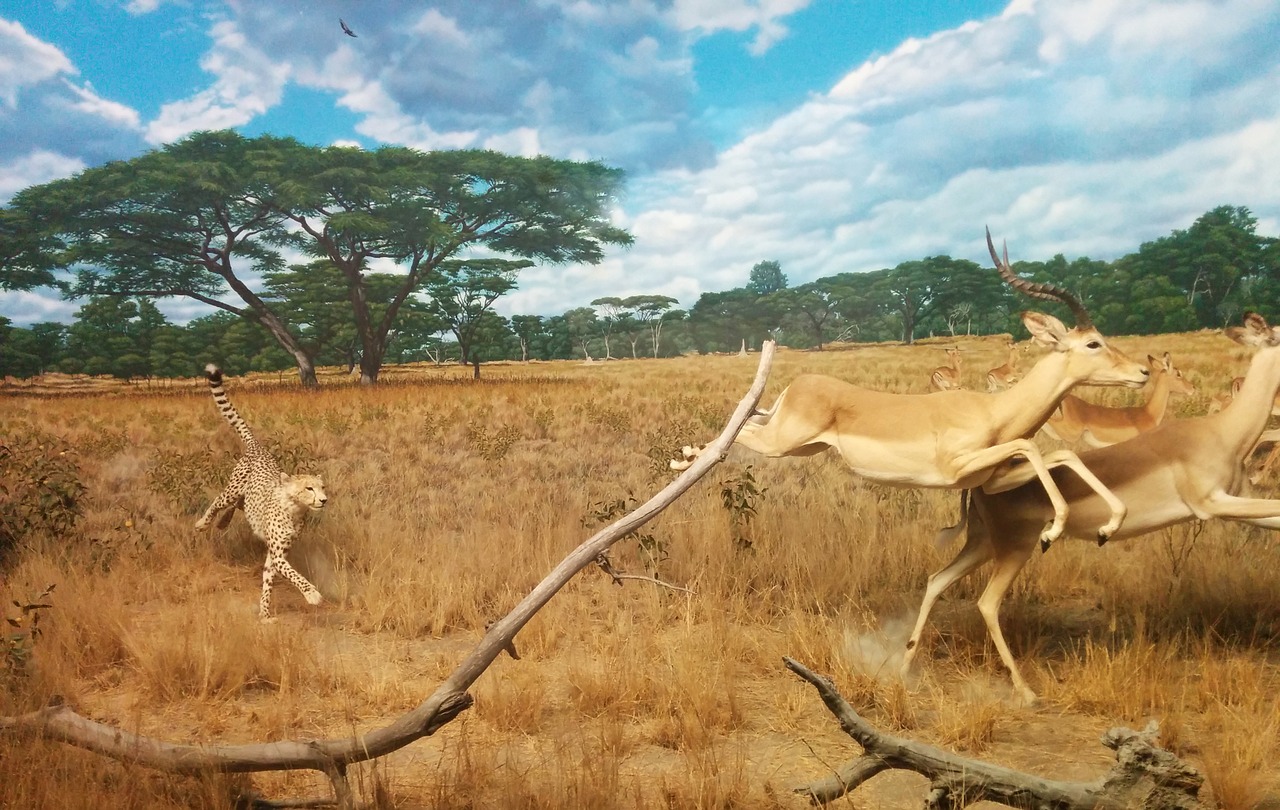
463, 291
526, 328
422, 209
177, 222
612, 311
193, 218
649, 310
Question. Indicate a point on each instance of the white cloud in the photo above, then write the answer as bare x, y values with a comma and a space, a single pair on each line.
1088, 147
247, 83
26, 308
36, 167
26, 61
709, 16
113, 112
140, 7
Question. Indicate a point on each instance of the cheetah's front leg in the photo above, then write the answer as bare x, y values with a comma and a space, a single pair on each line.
276, 563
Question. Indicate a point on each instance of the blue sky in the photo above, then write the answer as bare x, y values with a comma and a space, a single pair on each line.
829, 135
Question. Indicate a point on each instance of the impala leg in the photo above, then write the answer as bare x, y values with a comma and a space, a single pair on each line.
1232, 507
1066, 458
990, 458
1006, 569
976, 551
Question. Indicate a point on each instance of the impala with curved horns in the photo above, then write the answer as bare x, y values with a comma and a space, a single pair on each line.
1185, 469
951, 439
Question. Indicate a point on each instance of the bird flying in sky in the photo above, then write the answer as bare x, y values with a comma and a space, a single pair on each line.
345, 29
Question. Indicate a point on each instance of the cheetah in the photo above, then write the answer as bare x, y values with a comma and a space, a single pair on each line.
273, 501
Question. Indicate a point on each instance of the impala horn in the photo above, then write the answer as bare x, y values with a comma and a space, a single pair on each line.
1045, 292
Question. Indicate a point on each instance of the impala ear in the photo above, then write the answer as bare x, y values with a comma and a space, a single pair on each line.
1045, 329
284, 477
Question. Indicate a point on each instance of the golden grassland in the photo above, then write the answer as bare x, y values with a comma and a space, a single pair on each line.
451, 498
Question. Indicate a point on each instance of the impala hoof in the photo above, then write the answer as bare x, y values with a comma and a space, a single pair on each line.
1103, 537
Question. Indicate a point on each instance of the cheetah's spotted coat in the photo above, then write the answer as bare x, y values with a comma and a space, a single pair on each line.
273, 501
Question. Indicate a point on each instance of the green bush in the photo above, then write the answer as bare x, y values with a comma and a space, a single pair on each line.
40, 488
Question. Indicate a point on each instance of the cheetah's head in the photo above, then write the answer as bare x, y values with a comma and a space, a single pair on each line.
307, 491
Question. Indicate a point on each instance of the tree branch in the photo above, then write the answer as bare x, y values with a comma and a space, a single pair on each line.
1144, 775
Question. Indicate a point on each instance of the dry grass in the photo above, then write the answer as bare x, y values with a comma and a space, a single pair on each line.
450, 500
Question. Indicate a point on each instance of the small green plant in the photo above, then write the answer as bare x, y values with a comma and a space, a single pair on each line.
187, 478
40, 488
432, 427
336, 422
600, 513
127, 536
21, 633
543, 418
616, 420
740, 496
105, 443
492, 447
373, 413
665, 442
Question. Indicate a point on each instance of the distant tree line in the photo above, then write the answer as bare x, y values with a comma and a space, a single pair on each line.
406, 253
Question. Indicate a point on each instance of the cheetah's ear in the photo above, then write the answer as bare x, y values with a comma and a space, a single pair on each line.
284, 477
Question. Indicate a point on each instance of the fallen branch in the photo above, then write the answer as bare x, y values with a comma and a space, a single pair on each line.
1144, 775
60, 722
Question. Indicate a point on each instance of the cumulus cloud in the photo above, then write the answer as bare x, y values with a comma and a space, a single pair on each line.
34, 168
52, 123
709, 16
1064, 132
609, 81
26, 61
248, 83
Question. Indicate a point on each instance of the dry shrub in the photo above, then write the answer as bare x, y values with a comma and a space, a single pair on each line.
208, 655
1237, 768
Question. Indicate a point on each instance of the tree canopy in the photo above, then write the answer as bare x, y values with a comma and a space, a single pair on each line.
201, 217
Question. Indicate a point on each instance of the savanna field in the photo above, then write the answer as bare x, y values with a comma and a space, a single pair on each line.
450, 499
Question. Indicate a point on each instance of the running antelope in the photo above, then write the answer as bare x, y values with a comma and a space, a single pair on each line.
1185, 469
951, 439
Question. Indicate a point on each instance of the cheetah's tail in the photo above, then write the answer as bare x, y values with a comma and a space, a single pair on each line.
214, 375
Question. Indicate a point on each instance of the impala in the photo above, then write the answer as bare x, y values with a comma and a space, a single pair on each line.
1182, 470
1098, 426
950, 439
1002, 377
947, 378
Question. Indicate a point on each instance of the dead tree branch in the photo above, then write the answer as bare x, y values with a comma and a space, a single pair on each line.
1144, 775
60, 722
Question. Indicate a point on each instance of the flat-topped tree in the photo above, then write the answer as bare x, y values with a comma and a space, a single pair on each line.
421, 209
201, 217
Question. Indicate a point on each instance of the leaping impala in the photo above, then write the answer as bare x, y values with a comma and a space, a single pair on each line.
1184, 469
951, 439
1077, 420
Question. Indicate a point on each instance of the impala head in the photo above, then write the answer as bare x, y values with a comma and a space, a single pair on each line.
1090, 361
1255, 332
1178, 384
